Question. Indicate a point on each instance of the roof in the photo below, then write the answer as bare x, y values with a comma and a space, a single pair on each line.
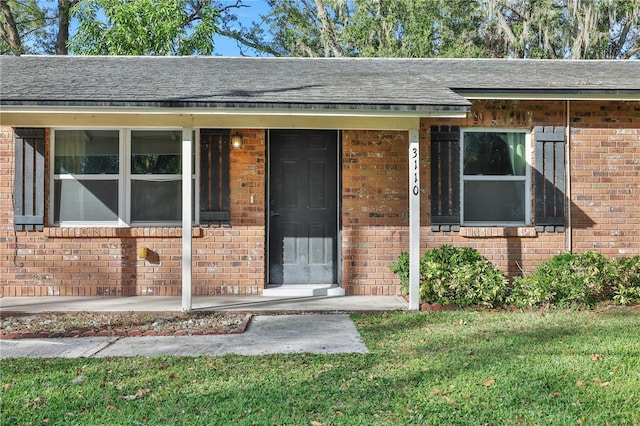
363, 84
552, 77
221, 82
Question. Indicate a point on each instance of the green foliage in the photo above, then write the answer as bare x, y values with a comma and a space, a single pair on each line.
33, 22
144, 27
555, 29
565, 280
595, 29
455, 275
461, 276
401, 268
626, 287
381, 28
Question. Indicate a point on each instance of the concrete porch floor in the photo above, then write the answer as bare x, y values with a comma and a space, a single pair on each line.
252, 304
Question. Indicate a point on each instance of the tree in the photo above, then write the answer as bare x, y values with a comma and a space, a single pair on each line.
576, 29
64, 13
293, 28
145, 27
411, 28
415, 28
28, 27
9, 30
153, 27
597, 29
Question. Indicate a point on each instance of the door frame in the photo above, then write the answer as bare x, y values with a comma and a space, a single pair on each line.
338, 189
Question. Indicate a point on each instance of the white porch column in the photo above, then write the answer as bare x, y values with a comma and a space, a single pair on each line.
414, 220
187, 214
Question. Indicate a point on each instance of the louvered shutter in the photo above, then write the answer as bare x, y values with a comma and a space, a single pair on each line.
214, 177
28, 211
550, 179
445, 178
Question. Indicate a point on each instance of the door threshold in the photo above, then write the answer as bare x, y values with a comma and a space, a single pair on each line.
303, 290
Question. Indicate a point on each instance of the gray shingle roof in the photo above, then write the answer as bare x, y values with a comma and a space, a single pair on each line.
301, 83
542, 76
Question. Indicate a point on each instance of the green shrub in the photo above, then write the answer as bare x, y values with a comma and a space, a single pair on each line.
565, 280
461, 276
401, 268
452, 275
626, 285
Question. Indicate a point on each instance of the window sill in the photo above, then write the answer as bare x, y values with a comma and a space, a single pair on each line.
97, 232
499, 232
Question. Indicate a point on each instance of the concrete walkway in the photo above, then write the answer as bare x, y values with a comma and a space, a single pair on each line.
266, 334
252, 304
316, 327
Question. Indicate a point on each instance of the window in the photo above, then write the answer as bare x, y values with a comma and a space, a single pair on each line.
156, 176
87, 176
482, 177
495, 178
118, 177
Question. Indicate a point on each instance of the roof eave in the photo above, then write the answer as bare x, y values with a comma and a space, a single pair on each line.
234, 108
551, 94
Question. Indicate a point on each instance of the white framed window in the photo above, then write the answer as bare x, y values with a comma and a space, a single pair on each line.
118, 177
87, 177
495, 177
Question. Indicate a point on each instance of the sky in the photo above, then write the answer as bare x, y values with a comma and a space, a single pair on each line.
227, 47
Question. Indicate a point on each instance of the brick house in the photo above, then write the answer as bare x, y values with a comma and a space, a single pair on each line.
307, 175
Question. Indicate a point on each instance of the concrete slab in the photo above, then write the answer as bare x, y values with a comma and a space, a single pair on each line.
314, 333
268, 334
54, 348
303, 290
254, 304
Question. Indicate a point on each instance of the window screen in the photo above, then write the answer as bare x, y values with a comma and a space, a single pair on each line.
494, 177
86, 170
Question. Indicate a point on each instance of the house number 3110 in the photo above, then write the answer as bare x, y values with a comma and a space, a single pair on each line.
414, 159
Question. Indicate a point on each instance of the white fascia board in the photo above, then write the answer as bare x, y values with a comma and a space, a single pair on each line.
548, 97
231, 111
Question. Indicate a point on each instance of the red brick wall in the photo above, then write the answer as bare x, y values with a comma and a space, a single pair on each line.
524, 248
605, 154
605, 189
605, 186
374, 209
231, 260
103, 261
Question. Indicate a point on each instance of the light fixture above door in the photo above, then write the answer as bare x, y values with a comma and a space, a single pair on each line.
236, 140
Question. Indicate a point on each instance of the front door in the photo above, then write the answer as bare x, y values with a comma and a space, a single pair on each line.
303, 208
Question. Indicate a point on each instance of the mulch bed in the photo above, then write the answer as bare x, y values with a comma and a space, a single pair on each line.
125, 324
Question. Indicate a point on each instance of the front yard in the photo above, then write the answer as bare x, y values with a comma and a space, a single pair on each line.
465, 367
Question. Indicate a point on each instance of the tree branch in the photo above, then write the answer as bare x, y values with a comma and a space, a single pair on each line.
249, 43
631, 52
64, 9
237, 5
327, 30
305, 48
622, 39
197, 8
10, 33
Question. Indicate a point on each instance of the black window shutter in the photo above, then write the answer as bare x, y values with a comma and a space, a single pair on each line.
550, 179
445, 178
214, 177
28, 210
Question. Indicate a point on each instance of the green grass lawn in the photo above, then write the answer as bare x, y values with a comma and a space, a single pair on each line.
547, 368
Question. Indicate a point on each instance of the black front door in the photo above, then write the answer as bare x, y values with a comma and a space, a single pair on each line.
303, 208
